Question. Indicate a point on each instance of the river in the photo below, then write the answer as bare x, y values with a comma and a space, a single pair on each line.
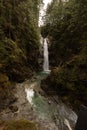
50, 110
33, 104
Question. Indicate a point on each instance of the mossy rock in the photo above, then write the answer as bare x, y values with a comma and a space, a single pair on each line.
20, 125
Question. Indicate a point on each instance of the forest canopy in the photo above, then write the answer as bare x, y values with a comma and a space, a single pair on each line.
65, 26
19, 44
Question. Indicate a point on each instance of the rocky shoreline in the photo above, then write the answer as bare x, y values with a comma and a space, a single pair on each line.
22, 109
19, 109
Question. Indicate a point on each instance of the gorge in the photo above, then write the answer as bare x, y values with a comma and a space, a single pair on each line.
36, 95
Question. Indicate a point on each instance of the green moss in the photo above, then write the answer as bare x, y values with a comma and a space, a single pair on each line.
20, 125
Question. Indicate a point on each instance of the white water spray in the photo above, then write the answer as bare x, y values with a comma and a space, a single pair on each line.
66, 122
30, 93
46, 59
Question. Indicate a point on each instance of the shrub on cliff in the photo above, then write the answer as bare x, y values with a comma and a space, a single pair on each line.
70, 80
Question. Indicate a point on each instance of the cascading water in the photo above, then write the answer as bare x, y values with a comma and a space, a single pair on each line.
50, 111
46, 59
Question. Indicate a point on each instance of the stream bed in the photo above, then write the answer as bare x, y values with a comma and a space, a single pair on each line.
50, 110
33, 104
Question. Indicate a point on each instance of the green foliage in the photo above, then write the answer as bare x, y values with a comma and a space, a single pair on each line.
70, 80
9, 49
67, 29
19, 35
67, 34
19, 43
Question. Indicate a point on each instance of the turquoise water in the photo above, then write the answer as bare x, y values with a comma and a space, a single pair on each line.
42, 107
46, 109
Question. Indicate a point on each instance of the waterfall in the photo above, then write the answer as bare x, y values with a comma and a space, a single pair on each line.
46, 59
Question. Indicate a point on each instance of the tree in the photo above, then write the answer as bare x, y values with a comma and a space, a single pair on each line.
67, 34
